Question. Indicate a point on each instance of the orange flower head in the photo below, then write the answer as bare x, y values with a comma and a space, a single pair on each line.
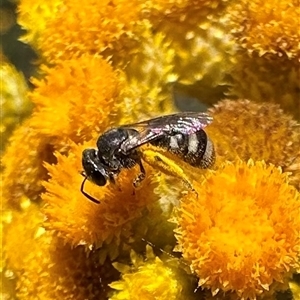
267, 26
267, 38
76, 29
46, 267
80, 221
267, 79
267, 58
241, 233
261, 131
75, 99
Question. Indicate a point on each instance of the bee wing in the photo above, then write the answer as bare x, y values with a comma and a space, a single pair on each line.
143, 136
149, 130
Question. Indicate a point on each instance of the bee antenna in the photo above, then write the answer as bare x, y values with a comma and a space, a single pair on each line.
86, 194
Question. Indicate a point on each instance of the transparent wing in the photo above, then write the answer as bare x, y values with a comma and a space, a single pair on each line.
149, 130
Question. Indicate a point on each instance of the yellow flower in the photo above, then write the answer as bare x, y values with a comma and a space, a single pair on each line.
261, 131
48, 268
267, 79
80, 28
267, 27
23, 168
182, 10
295, 288
14, 101
268, 53
75, 99
147, 279
150, 71
197, 35
82, 222
143, 37
34, 17
241, 232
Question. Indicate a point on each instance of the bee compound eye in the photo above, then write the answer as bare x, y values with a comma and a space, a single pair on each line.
98, 178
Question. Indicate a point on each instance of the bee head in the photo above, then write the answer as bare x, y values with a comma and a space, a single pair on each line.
93, 168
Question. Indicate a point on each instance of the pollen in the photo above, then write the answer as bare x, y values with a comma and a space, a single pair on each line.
243, 237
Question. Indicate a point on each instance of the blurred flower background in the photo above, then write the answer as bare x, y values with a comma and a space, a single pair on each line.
71, 70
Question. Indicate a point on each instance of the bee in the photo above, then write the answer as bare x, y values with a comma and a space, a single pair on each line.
181, 134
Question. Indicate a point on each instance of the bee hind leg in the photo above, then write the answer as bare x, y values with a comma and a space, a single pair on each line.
167, 166
138, 180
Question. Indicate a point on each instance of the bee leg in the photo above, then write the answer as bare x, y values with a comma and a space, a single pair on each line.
166, 165
137, 181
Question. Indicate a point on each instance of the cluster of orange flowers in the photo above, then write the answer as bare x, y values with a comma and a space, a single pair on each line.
233, 232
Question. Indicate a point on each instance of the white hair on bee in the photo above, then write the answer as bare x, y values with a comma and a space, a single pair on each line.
174, 142
193, 143
209, 155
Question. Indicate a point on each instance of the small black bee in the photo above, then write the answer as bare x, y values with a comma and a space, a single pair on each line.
182, 134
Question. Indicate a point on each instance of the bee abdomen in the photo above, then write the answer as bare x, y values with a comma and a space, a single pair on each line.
196, 149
